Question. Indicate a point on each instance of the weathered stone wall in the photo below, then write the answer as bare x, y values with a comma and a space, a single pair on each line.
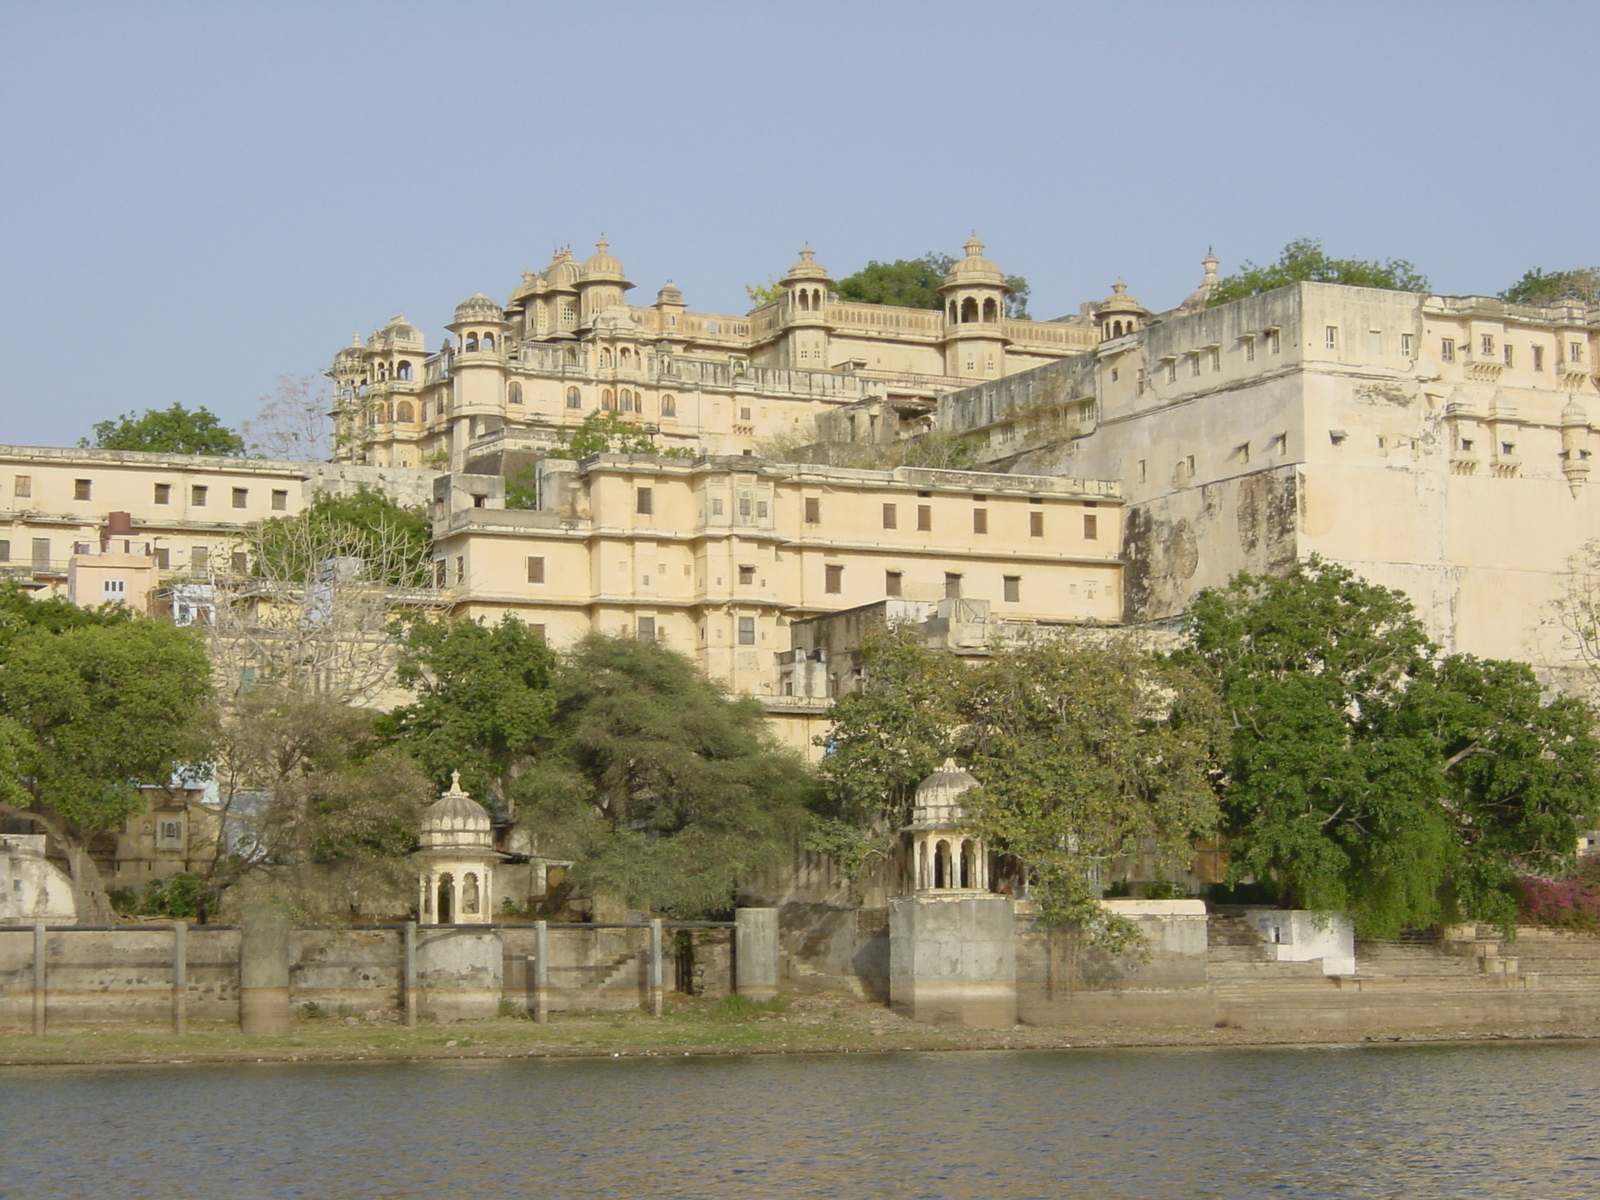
953, 961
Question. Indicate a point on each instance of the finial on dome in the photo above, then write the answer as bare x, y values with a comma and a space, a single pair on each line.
602, 245
807, 254
455, 784
974, 247
1210, 264
1120, 288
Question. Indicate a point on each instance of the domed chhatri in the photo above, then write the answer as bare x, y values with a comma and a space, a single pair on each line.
456, 860
602, 266
943, 858
974, 268
479, 307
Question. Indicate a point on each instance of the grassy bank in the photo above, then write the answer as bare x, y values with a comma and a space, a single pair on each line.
814, 1025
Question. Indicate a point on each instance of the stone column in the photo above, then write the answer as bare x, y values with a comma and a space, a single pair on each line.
264, 974
953, 960
755, 952
180, 978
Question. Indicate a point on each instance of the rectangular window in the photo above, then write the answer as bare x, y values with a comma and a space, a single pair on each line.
1274, 341
22, 485
239, 562
461, 569
41, 553
647, 629
813, 511
199, 557
952, 586
1188, 465
744, 414
1447, 349
1538, 358
1486, 345
644, 500
1091, 527
440, 572
761, 510
1144, 471
892, 581
1194, 364
1506, 350
1330, 337
241, 497
716, 507
747, 631
535, 568
744, 506
980, 520
1216, 358
163, 493
5, 550
1011, 589
280, 501
747, 575
924, 517
1575, 352
82, 489
1405, 344
537, 631
1374, 342
1036, 524
163, 558
891, 518
833, 579
1172, 370
197, 496
1250, 349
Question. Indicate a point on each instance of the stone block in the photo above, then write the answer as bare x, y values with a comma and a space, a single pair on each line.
953, 961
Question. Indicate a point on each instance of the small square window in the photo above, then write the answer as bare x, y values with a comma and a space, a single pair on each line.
980, 520
163, 493
241, 497
1036, 524
197, 496
240, 562
890, 517
280, 500
747, 575
952, 586
744, 414
924, 518
644, 500
833, 579
535, 569
22, 485
538, 632
647, 629
199, 557
892, 581
813, 511
1012, 589
82, 489
1330, 337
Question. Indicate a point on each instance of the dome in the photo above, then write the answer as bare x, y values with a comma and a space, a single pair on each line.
808, 268
479, 308
974, 268
532, 285
936, 802
602, 268
669, 294
1119, 301
563, 271
351, 353
400, 330
456, 822
1201, 296
1574, 414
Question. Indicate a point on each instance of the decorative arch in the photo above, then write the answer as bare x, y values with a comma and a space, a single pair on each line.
488, 341
404, 413
514, 392
471, 902
991, 311
669, 406
471, 343
403, 371
969, 310
608, 400
574, 398
445, 907
625, 400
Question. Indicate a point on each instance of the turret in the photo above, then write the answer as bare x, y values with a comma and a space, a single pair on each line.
601, 284
806, 289
1119, 313
974, 295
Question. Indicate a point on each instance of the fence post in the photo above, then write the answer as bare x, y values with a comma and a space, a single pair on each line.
755, 952
541, 971
38, 979
655, 966
408, 974
180, 978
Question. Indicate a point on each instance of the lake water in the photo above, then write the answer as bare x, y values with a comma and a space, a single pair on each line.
1506, 1121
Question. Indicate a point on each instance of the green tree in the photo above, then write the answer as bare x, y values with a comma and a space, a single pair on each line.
485, 698
915, 283
663, 791
763, 293
1581, 285
391, 541
607, 432
1305, 261
1353, 780
1090, 751
175, 430
93, 706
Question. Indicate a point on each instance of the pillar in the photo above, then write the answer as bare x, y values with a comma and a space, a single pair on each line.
952, 960
755, 953
180, 978
408, 974
264, 974
541, 971
39, 994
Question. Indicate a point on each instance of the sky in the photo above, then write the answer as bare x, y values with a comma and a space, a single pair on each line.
199, 198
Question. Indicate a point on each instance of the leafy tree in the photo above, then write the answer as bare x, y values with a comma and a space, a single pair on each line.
664, 791
93, 706
915, 283
391, 541
175, 430
763, 293
1367, 775
1305, 261
607, 432
1089, 752
1581, 285
485, 700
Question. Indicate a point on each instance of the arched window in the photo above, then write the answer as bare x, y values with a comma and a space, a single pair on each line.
471, 343
446, 907
608, 399
488, 341
569, 355
574, 398
941, 865
514, 392
469, 894
605, 359
816, 301
952, 310
969, 310
626, 359
625, 400
991, 311
969, 875
403, 412
669, 406
403, 371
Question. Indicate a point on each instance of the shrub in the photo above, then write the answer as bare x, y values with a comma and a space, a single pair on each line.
1572, 904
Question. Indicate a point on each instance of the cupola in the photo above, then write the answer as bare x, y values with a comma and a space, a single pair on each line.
944, 858
455, 860
1119, 313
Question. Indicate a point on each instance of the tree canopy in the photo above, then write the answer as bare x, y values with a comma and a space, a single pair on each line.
606, 432
94, 705
392, 540
1581, 285
1304, 261
175, 430
1370, 775
915, 283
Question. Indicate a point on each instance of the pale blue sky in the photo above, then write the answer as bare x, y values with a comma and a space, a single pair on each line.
198, 197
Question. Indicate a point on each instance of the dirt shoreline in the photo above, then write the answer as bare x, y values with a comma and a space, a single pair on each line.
688, 1029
